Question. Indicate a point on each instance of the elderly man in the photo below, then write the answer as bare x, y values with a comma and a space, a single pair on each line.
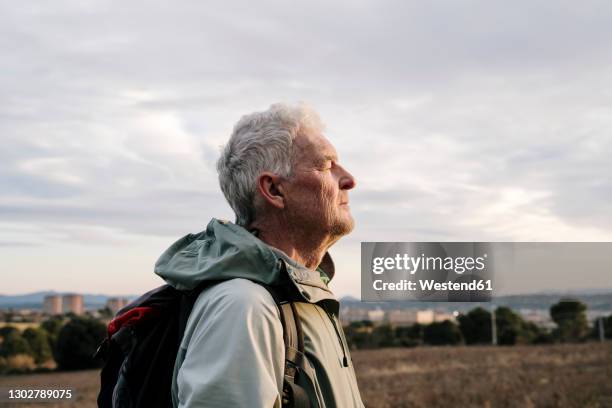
283, 180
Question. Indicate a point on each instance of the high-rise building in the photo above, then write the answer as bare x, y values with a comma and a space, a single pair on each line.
402, 317
52, 305
73, 303
377, 315
116, 303
425, 316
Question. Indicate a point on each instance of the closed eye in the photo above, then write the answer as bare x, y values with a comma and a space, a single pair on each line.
328, 162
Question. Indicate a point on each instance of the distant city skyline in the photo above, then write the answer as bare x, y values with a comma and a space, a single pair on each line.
459, 123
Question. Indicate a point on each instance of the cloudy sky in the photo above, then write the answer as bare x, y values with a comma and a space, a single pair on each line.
461, 121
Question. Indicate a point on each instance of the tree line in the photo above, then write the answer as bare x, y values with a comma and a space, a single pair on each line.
63, 342
69, 342
476, 327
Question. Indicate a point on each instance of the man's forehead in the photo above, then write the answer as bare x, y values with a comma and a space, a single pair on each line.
314, 144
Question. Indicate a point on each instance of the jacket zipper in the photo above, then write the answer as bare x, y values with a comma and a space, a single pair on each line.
344, 357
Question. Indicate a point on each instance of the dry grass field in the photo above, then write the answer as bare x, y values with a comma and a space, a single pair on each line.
522, 376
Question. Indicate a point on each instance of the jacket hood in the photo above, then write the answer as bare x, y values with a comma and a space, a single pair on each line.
226, 251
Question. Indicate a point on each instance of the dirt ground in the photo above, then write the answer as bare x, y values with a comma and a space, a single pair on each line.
521, 376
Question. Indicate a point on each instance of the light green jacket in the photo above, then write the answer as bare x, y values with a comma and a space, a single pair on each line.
232, 353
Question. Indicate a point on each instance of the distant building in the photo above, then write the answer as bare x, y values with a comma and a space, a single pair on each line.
410, 317
539, 317
377, 315
425, 316
396, 317
402, 317
116, 303
73, 304
440, 317
352, 314
52, 305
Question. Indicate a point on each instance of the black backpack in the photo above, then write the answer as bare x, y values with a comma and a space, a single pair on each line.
144, 338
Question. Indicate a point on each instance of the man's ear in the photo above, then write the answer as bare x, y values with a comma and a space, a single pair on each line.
270, 189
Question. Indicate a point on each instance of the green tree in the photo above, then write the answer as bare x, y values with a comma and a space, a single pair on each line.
509, 326
6, 330
409, 336
383, 336
362, 324
77, 342
39, 344
513, 329
532, 332
13, 343
52, 326
358, 335
475, 326
442, 333
571, 320
106, 313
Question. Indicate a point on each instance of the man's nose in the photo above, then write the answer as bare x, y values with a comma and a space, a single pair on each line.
347, 181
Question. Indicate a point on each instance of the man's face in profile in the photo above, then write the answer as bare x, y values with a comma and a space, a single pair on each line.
317, 192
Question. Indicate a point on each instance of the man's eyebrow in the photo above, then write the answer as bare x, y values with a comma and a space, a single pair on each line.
331, 157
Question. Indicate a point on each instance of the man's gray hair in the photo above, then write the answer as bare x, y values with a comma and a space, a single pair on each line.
261, 141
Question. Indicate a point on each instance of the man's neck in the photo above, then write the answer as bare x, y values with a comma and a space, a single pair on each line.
307, 251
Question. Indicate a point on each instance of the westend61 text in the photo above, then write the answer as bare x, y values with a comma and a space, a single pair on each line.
429, 284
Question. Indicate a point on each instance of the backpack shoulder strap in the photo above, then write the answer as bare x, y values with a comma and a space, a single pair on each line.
294, 396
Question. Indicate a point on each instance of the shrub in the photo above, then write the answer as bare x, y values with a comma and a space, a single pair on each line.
6, 330
442, 333
77, 342
13, 343
52, 326
19, 363
409, 336
39, 344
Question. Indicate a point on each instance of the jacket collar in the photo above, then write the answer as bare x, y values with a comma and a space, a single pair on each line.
308, 283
